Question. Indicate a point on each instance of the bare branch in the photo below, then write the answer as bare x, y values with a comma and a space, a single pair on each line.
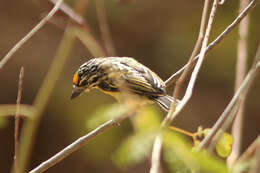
78, 144
81, 29
71, 13
104, 28
196, 70
228, 115
40, 102
176, 75
250, 151
197, 47
30, 34
240, 75
156, 152
17, 119
179, 83
255, 166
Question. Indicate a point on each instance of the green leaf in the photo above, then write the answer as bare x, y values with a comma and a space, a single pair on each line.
192, 160
147, 118
174, 163
224, 145
103, 114
134, 149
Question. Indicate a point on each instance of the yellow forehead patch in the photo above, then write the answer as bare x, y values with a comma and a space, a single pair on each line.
76, 79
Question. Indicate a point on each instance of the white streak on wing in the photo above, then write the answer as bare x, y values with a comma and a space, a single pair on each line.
84, 64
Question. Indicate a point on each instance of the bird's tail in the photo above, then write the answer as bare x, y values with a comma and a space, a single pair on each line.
165, 102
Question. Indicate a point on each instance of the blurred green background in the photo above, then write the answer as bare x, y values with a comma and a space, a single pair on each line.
160, 34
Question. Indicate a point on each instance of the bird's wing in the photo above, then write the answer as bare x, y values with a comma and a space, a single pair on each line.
140, 79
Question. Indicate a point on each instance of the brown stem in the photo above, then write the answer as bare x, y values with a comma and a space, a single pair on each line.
30, 34
156, 152
240, 75
182, 131
250, 6
78, 144
17, 119
227, 116
195, 51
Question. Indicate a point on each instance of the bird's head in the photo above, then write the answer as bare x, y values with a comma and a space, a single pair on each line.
85, 78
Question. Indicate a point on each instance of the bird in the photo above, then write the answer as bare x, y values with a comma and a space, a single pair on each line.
119, 75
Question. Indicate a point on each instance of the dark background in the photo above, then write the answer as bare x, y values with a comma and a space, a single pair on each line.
160, 34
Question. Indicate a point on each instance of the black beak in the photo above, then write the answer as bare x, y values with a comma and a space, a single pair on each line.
75, 93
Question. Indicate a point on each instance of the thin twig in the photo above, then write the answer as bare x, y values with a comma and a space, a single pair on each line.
30, 34
176, 129
227, 115
250, 151
17, 119
82, 29
30, 128
78, 144
104, 28
196, 70
156, 152
224, 126
73, 14
195, 51
31, 125
247, 156
176, 75
240, 75
255, 166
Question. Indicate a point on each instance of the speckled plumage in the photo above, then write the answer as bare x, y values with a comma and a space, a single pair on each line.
115, 74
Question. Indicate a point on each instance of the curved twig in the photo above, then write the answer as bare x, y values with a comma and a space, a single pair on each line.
77, 144
250, 6
30, 34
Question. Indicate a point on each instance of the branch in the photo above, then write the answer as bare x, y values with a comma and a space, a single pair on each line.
82, 30
41, 100
255, 166
176, 75
228, 115
240, 75
196, 70
30, 34
17, 119
67, 10
195, 51
250, 151
77, 144
156, 152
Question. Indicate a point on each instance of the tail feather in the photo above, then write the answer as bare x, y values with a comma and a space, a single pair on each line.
165, 102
